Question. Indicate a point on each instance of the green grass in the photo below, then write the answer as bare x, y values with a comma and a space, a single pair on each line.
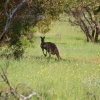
68, 79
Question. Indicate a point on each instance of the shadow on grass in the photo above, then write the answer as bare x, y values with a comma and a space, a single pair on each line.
44, 59
98, 41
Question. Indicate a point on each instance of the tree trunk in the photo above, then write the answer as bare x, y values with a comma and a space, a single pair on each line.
97, 33
93, 31
90, 37
96, 37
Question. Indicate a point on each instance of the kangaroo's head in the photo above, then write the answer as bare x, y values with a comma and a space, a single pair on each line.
42, 39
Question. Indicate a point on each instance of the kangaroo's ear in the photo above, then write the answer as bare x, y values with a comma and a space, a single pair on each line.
44, 37
40, 36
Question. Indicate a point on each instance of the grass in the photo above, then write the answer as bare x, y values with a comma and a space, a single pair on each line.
68, 79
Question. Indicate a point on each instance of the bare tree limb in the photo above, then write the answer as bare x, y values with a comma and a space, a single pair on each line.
4, 77
14, 92
6, 8
30, 96
10, 16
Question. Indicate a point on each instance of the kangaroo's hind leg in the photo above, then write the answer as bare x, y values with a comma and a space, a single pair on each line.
58, 56
49, 54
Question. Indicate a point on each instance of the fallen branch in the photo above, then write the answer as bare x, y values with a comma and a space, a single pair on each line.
13, 91
22, 97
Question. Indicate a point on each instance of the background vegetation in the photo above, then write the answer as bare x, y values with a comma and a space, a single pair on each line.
76, 77
26, 73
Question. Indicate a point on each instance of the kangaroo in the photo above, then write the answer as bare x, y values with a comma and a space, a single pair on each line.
50, 47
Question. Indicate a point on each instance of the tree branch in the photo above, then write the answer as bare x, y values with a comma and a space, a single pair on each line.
30, 96
9, 16
14, 91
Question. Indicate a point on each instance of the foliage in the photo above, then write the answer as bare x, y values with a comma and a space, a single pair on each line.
86, 16
34, 13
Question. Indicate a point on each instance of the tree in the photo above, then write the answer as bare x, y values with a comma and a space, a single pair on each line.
23, 14
85, 14
31, 11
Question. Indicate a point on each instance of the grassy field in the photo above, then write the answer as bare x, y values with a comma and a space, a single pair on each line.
76, 77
